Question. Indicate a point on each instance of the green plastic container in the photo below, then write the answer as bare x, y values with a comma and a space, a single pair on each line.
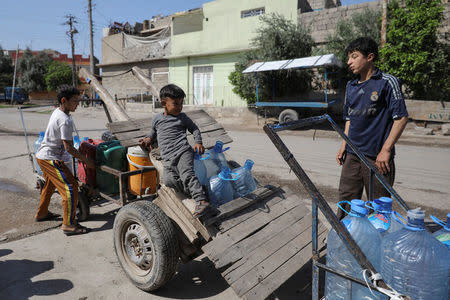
111, 154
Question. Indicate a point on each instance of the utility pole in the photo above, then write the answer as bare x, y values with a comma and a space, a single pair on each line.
91, 44
15, 72
71, 20
384, 23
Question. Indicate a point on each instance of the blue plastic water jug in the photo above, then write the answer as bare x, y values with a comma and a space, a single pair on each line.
414, 263
338, 256
443, 235
220, 189
200, 168
36, 146
382, 218
217, 159
76, 145
245, 183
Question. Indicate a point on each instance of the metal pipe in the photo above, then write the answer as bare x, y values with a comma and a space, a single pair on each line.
344, 275
371, 186
340, 229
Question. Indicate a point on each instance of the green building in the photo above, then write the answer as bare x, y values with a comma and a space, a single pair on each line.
206, 43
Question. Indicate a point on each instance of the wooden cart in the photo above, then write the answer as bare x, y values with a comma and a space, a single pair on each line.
257, 242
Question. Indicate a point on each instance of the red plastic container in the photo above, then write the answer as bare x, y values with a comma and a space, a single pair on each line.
89, 149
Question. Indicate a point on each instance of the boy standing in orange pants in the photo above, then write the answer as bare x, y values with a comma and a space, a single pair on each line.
54, 150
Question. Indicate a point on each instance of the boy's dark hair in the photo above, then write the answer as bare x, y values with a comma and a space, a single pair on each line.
365, 45
173, 91
67, 91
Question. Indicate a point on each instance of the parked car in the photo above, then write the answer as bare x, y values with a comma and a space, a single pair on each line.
20, 96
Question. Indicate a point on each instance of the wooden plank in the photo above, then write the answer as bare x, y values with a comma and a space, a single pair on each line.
249, 212
274, 228
271, 245
228, 239
284, 272
133, 124
131, 134
252, 278
185, 214
189, 231
239, 204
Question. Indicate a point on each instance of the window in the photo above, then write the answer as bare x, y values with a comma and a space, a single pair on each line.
252, 12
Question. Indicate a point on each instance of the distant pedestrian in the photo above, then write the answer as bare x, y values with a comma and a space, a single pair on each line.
85, 99
375, 116
54, 151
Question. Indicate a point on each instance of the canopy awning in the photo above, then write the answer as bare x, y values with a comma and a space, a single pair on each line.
297, 63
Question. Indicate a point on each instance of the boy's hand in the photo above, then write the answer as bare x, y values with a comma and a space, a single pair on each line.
340, 156
199, 149
145, 143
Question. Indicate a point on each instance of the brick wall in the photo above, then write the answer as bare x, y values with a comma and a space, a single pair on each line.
323, 22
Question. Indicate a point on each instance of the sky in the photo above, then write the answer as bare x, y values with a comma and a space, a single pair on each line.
37, 24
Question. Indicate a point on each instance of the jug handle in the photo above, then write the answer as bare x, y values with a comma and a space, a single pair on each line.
223, 150
396, 215
437, 221
137, 165
369, 205
341, 208
205, 156
230, 179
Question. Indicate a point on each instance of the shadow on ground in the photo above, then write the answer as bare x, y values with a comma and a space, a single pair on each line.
16, 279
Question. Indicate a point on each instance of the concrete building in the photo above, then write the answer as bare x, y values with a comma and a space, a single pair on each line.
206, 44
124, 47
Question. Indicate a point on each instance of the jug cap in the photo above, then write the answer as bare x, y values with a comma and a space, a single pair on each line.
383, 204
76, 139
218, 146
416, 218
249, 164
358, 206
42, 133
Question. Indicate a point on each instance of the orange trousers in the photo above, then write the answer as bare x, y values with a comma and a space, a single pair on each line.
57, 175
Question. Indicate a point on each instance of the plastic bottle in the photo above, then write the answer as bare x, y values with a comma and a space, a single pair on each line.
200, 168
382, 218
414, 263
36, 146
76, 145
217, 159
338, 256
245, 183
443, 235
220, 189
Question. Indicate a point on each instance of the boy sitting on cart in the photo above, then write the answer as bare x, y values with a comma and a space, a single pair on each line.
169, 129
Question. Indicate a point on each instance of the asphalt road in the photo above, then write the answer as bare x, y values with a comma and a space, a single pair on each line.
50, 265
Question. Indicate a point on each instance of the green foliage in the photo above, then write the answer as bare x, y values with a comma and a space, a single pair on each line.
32, 70
413, 51
278, 38
366, 23
6, 70
58, 73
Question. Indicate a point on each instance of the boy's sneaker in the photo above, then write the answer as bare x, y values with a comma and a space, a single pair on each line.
201, 207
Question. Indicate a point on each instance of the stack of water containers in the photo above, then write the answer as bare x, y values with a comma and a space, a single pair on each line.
338, 256
409, 259
223, 184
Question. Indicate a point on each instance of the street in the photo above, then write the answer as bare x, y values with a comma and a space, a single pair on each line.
51, 265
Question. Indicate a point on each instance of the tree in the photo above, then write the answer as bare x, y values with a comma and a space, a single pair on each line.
278, 38
58, 73
32, 70
6, 70
366, 23
413, 51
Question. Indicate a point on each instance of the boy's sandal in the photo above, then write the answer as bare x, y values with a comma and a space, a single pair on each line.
49, 216
79, 229
201, 207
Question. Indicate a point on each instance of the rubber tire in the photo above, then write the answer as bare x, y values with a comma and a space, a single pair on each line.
163, 238
288, 115
83, 207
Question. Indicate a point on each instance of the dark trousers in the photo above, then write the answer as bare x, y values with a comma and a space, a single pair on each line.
179, 174
355, 177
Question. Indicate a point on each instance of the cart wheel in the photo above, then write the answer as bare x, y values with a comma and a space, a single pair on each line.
40, 185
83, 209
288, 115
146, 244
